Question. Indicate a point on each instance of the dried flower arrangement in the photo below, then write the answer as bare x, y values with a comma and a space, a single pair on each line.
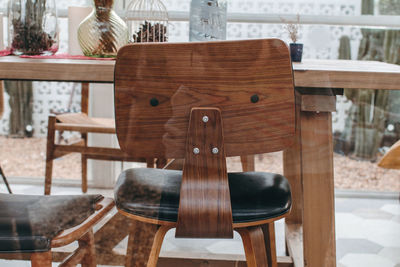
292, 28
107, 44
29, 37
148, 32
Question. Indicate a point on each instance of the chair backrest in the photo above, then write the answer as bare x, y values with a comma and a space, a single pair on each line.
157, 85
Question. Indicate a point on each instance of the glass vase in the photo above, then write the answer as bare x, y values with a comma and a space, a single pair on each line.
147, 21
103, 32
32, 27
207, 20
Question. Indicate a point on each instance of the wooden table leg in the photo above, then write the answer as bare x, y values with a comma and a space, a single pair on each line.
308, 165
318, 190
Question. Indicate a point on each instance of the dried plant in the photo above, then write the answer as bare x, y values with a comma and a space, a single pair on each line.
149, 32
29, 36
292, 27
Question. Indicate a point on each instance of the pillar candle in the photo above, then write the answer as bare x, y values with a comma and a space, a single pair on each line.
1, 32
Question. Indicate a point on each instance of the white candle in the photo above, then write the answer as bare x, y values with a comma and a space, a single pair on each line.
75, 17
1, 32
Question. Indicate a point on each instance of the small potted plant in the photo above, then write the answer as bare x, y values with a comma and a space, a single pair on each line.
296, 49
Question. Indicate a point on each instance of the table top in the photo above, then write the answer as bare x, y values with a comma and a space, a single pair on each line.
309, 73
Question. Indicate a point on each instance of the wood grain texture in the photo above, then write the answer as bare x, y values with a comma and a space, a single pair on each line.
116, 257
248, 163
175, 164
109, 236
16, 68
292, 170
309, 73
318, 189
391, 159
205, 205
82, 123
140, 243
49, 154
270, 243
254, 247
319, 103
42, 259
156, 247
213, 74
173, 224
346, 74
89, 260
75, 258
70, 235
294, 243
85, 98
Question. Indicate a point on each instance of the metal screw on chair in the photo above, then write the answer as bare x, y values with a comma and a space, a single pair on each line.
205, 119
215, 150
196, 151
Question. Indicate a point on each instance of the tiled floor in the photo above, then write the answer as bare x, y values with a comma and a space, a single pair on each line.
367, 232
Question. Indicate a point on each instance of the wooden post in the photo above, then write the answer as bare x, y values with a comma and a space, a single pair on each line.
308, 165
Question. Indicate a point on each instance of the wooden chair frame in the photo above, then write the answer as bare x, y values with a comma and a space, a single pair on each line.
258, 237
190, 125
54, 151
85, 254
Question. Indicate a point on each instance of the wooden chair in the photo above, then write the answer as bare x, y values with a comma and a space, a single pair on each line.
82, 123
33, 225
391, 160
203, 102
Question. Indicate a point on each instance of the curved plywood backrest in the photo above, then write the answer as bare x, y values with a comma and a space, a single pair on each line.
250, 81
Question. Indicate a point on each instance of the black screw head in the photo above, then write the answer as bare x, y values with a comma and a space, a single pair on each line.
254, 98
154, 102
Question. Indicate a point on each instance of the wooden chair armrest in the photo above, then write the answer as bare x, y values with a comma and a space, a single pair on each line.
70, 235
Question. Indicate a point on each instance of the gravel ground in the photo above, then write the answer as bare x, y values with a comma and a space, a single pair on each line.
26, 158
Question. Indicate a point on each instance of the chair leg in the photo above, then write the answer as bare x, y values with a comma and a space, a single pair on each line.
84, 166
49, 154
150, 162
270, 244
248, 164
89, 260
42, 259
144, 244
5, 180
254, 247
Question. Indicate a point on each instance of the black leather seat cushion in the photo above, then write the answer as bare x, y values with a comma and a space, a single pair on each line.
29, 223
154, 193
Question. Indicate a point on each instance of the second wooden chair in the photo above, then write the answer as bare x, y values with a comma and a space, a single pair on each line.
82, 123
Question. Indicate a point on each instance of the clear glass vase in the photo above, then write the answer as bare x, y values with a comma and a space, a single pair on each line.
147, 21
207, 20
33, 28
103, 32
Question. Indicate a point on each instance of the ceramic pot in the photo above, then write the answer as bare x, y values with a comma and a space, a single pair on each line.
296, 52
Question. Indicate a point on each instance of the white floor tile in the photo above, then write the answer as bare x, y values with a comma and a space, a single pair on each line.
392, 254
365, 260
392, 208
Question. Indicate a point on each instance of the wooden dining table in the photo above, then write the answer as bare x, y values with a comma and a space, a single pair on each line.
308, 164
